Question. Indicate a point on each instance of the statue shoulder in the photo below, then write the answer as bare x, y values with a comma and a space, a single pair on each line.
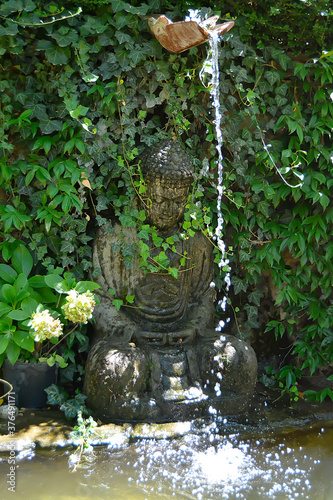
202, 243
114, 232
110, 250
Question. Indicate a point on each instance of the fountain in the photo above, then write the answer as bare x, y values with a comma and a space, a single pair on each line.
164, 359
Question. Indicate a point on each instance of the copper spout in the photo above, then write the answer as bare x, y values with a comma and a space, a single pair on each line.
183, 35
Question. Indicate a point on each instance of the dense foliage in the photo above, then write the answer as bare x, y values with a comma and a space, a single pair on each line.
84, 92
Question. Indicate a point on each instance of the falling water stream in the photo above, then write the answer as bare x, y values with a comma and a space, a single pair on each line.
211, 65
215, 96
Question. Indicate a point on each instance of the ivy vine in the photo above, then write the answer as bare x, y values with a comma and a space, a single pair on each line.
85, 91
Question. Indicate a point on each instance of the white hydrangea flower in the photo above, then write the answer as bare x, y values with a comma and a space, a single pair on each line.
45, 326
79, 306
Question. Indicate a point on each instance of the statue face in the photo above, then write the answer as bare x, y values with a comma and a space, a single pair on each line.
167, 204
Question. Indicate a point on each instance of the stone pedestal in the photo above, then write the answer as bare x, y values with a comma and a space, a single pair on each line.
147, 383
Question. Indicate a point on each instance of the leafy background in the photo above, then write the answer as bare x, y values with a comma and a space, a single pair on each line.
85, 88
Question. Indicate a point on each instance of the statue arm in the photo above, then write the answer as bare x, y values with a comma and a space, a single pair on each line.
200, 321
107, 259
109, 322
201, 308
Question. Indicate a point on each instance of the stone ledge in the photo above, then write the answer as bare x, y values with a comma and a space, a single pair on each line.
48, 428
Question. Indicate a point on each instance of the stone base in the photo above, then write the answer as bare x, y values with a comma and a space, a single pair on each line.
161, 384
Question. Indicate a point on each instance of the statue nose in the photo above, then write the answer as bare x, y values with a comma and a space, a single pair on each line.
167, 205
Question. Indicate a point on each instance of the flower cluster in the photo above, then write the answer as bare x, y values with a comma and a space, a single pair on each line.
45, 326
79, 307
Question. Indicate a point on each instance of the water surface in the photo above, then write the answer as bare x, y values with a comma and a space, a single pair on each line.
212, 464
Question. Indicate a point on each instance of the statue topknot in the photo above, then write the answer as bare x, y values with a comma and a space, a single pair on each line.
168, 162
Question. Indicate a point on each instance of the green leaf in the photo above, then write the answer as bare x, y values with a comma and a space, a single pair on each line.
79, 111
50, 361
255, 297
244, 256
173, 271
4, 340
299, 132
7, 273
10, 30
117, 303
238, 284
94, 24
20, 283
54, 54
24, 340
57, 283
60, 361
53, 280
37, 281
22, 260
122, 58
118, 5
65, 36
84, 286
130, 298
302, 70
56, 395
39, 111
75, 143
8, 293
4, 309
18, 315
50, 126
127, 221
143, 234
123, 37
67, 247
136, 55
29, 306
138, 11
272, 76
324, 200
13, 352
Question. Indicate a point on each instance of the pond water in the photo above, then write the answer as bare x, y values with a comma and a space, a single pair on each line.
219, 462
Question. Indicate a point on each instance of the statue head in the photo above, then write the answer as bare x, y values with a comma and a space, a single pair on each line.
168, 174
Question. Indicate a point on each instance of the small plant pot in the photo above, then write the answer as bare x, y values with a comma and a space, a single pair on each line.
29, 381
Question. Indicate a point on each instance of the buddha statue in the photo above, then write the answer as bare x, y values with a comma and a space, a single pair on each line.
161, 358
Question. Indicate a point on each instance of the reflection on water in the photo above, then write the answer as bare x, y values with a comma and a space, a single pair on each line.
290, 465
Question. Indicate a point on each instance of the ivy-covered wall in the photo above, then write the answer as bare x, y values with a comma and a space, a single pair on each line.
85, 88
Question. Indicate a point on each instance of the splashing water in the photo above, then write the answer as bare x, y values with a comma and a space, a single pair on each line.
227, 461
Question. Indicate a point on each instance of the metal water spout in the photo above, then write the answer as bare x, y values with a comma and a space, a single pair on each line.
183, 35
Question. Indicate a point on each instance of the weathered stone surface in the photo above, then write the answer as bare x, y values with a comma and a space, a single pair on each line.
35, 429
49, 429
161, 431
161, 359
229, 364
